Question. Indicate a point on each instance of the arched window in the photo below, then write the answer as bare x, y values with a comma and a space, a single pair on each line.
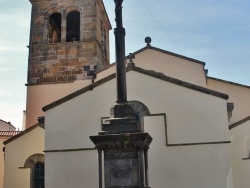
36, 165
38, 175
55, 28
73, 26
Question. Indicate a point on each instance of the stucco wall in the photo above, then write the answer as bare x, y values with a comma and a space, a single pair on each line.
193, 166
188, 111
239, 95
2, 139
192, 118
16, 153
240, 147
77, 169
39, 96
171, 66
108, 71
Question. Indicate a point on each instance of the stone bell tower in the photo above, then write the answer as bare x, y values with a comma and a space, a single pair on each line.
69, 41
65, 36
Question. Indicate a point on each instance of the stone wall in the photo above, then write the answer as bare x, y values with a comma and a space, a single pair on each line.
53, 62
63, 61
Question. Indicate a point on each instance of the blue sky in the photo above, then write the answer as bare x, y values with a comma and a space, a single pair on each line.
214, 31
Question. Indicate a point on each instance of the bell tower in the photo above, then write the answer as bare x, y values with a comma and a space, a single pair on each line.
69, 41
65, 37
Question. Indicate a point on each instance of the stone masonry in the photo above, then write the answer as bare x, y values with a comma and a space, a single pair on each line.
65, 61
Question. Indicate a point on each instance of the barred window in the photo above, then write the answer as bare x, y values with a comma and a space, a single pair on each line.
38, 175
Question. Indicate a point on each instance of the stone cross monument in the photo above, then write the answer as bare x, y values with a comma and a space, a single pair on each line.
122, 141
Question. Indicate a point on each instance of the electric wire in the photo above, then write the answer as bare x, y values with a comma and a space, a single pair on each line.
161, 26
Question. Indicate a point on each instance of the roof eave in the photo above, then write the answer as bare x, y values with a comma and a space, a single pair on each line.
238, 123
20, 134
228, 82
142, 71
169, 53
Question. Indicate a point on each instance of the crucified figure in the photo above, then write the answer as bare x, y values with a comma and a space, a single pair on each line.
118, 12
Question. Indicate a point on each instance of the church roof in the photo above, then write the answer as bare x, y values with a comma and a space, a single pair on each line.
150, 73
239, 122
228, 82
169, 53
8, 133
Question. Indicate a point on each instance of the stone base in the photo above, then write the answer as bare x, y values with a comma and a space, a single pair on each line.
122, 120
125, 159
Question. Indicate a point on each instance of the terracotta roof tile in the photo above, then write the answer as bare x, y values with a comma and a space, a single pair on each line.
14, 137
9, 133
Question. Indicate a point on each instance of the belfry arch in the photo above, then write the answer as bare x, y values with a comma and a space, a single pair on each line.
73, 26
55, 28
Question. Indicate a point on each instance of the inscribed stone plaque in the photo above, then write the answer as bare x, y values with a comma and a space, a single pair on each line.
121, 169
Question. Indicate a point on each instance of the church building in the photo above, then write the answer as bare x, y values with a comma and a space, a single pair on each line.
199, 124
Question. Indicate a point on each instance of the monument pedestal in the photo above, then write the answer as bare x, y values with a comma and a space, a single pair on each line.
122, 120
125, 159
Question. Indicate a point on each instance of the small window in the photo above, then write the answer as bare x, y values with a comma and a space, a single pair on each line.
73, 27
38, 175
55, 28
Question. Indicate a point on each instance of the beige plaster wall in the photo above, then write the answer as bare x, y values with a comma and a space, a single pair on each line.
171, 66
108, 71
39, 96
79, 169
188, 112
196, 166
16, 153
2, 139
240, 154
78, 118
192, 117
193, 166
238, 95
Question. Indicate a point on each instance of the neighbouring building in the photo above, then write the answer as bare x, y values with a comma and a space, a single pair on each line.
7, 130
199, 124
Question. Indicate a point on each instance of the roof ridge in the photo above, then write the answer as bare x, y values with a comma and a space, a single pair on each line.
151, 73
20, 134
240, 122
162, 76
229, 82
9, 123
169, 53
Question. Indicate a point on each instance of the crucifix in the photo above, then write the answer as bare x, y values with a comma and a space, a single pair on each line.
120, 54
122, 142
